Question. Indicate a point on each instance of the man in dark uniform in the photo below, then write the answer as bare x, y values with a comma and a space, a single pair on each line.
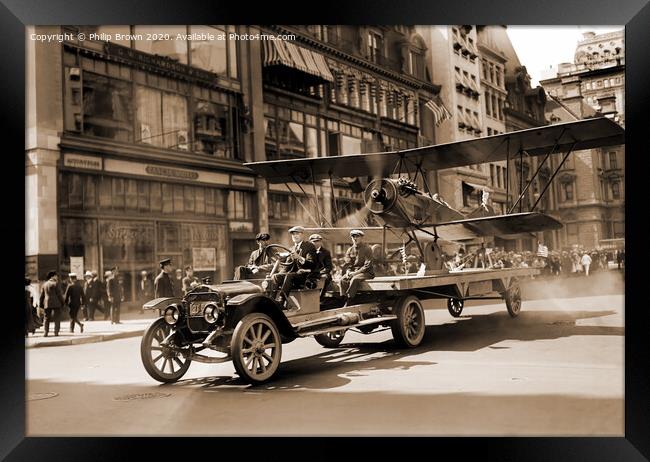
360, 267
115, 295
75, 299
303, 268
324, 266
52, 301
163, 285
260, 261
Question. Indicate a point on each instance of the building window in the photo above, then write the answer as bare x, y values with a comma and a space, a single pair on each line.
416, 64
215, 132
612, 160
375, 47
162, 118
290, 134
164, 41
572, 233
210, 55
567, 190
616, 190
240, 205
107, 107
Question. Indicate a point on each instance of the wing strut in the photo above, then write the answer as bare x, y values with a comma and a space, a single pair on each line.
553, 176
539, 167
300, 202
508, 174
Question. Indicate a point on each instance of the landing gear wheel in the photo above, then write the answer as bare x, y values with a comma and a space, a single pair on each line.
455, 306
166, 364
513, 298
256, 348
330, 339
408, 328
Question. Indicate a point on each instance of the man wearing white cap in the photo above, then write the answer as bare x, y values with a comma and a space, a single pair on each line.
74, 298
304, 259
360, 267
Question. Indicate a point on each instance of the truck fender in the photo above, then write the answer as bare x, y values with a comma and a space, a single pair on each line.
160, 303
251, 303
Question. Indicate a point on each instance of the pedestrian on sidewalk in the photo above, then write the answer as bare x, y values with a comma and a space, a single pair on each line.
145, 289
115, 295
104, 295
91, 293
52, 301
178, 283
31, 323
585, 261
75, 299
189, 281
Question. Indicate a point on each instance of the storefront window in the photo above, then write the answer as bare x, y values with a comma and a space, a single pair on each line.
131, 195
118, 194
79, 239
164, 43
210, 55
107, 107
204, 247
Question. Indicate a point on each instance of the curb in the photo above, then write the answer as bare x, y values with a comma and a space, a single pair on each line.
89, 339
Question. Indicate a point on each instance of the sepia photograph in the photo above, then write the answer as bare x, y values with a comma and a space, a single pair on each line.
313, 230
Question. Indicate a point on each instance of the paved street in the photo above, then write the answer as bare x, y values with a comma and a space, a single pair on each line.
556, 370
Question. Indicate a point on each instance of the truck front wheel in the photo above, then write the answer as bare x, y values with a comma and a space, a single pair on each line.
256, 348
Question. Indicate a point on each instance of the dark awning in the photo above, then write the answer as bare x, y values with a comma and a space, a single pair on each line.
284, 53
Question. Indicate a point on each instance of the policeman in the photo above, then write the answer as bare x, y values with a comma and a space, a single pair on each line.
360, 267
163, 285
324, 258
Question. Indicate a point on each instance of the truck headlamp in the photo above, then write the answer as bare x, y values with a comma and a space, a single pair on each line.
171, 315
211, 314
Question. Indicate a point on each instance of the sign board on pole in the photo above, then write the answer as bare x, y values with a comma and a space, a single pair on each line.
77, 266
204, 258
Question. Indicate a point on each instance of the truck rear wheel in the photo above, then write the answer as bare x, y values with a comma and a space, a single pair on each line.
330, 339
256, 348
513, 298
408, 328
455, 306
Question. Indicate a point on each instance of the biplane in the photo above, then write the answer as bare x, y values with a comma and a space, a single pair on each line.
244, 321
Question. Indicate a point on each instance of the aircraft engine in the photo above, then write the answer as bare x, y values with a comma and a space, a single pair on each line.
399, 203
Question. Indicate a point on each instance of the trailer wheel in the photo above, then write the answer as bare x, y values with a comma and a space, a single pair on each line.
256, 348
408, 328
513, 298
330, 339
455, 306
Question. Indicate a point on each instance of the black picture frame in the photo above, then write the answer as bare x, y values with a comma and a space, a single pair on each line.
635, 14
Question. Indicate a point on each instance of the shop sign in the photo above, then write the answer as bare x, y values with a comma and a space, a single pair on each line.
79, 161
125, 233
246, 226
247, 181
204, 259
171, 172
77, 266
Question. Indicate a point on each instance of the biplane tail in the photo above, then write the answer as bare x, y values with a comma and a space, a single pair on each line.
512, 226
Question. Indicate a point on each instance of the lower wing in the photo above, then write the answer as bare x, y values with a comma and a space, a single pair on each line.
499, 225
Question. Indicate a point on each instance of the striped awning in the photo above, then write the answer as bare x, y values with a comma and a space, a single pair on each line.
284, 53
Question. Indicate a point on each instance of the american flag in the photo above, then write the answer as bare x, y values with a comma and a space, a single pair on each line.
440, 112
542, 251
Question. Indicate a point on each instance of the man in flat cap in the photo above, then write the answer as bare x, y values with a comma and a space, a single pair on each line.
360, 267
75, 299
304, 259
260, 261
324, 258
163, 285
115, 295
52, 301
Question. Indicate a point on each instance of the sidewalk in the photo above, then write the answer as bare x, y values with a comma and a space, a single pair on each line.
133, 324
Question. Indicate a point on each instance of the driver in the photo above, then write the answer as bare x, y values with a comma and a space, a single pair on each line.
259, 263
304, 265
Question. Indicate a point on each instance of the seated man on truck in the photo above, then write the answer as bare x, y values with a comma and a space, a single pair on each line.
304, 266
260, 261
360, 267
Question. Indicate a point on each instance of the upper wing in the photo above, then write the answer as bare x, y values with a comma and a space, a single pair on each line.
586, 134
